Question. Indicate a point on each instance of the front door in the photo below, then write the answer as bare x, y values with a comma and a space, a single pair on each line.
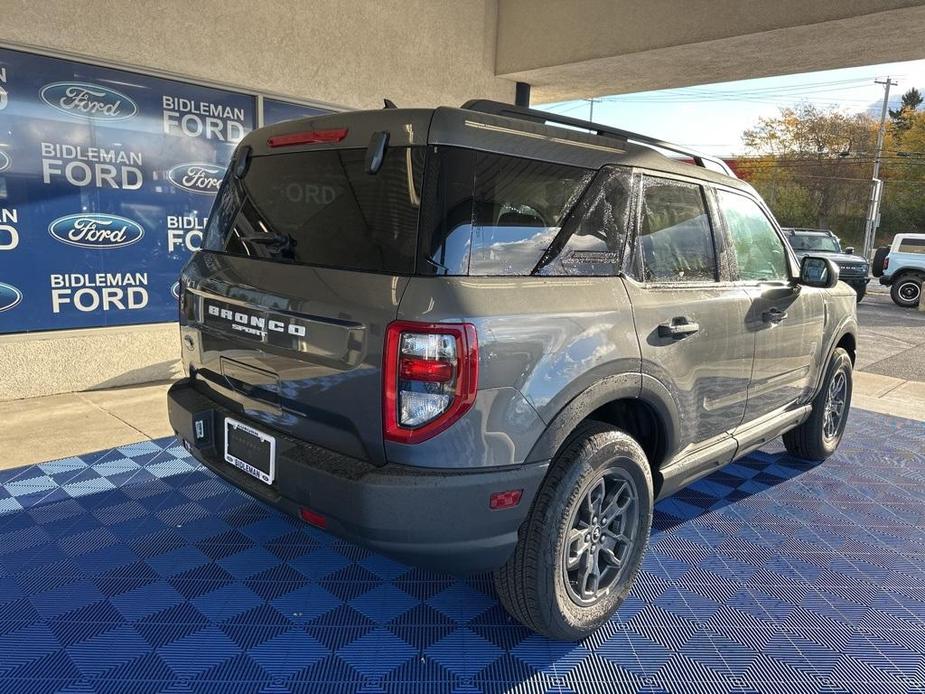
689, 318
786, 319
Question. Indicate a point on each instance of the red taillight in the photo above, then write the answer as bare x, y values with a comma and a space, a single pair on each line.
429, 370
309, 137
508, 499
886, 262
313, 517
430, 377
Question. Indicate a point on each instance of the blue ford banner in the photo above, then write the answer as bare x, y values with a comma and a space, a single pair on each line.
106, 180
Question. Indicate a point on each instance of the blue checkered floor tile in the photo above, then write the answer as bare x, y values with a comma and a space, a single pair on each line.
136, 570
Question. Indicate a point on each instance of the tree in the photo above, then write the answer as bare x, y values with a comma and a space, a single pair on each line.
901, 116
813, 162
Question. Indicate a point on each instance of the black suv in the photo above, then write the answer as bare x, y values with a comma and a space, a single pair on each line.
853, 269
489, 339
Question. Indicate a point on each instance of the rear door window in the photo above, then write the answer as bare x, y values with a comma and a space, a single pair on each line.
492, 214
322, 208
675, 236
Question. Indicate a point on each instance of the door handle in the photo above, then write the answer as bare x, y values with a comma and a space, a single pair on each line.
678, 328
773, 315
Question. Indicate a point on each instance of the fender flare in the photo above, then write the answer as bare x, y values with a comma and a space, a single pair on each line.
847, 327
630, 386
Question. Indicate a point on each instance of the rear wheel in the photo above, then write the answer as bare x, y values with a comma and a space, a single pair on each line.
819, 436
584, 540
906, 290
861, 291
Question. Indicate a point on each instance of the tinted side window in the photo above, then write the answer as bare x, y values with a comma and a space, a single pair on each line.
675, 237
911, 246
593, 236
494, 214
759, 251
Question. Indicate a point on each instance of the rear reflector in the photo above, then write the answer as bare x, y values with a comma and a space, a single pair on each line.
313, 517
309, 137
507, 499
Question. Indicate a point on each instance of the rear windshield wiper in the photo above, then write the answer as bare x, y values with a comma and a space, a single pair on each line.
269, 239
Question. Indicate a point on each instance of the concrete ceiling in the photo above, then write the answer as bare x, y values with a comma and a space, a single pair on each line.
568, 50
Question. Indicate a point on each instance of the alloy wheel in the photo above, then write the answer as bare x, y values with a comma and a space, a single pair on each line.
602, 533
835, 401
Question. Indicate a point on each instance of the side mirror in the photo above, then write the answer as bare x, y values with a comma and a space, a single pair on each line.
818, 271
849, 250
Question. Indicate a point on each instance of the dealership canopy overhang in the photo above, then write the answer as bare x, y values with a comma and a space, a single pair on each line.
568, 50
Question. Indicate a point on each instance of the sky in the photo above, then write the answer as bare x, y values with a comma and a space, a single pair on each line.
712, 117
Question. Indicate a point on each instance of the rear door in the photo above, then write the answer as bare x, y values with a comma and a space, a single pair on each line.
785, 318
305, 258
689, 317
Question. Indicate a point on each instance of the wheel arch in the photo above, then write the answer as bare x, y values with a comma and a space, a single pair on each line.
635, 403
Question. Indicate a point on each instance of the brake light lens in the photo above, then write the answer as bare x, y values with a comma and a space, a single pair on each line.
309, 137
886, 262
430, 378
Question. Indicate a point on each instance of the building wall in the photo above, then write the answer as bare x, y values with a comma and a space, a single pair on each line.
352, 54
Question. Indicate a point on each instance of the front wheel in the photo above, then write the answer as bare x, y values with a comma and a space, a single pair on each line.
818, 437
582, 545
906, 291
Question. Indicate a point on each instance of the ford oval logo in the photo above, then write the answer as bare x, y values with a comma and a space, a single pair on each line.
5, 161
10, 296
96, 230
85, 100
175, 290
197, 178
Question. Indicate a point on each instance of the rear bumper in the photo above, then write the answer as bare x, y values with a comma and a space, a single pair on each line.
439, 519
886, 280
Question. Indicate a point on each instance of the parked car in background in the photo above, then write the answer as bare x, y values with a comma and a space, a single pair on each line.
853, 268
901, 267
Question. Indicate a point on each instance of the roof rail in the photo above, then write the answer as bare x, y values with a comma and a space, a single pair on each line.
499, 108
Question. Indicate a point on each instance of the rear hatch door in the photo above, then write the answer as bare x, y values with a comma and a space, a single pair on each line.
304, 261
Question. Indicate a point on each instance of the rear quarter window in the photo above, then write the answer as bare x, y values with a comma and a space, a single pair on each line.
911, 246
492, 214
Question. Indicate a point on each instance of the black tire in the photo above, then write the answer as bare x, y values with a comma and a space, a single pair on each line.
535, 585
861, 291
876, 267
815, 439
906, 290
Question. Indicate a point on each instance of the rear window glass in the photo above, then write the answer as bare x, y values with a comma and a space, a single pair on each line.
322, 208
491, 214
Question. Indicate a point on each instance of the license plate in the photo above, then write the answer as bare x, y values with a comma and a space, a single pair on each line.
250, 450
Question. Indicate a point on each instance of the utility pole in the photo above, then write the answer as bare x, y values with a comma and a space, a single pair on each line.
591, 114
876, 185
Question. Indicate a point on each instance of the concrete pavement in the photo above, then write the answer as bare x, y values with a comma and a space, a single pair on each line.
58, 426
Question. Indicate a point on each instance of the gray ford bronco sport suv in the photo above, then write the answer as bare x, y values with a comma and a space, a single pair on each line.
476, 340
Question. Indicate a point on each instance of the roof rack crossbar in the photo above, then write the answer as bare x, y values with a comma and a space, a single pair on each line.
499, 108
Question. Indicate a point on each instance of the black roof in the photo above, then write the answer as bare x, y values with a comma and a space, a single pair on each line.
504, 129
